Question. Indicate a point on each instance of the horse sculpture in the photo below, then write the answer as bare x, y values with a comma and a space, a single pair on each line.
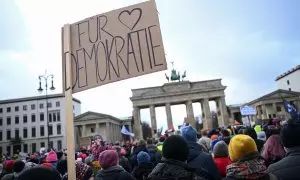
175, 76
167, 77
183, 76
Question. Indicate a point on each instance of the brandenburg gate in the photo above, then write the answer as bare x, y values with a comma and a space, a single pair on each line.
183, 92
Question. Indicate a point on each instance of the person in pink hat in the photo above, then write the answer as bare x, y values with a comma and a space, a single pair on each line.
51, 159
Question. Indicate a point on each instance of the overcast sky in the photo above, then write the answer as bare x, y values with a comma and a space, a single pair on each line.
246, 43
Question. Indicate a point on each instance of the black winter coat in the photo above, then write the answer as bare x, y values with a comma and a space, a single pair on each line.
288, 167
124, 162
113, 173
142, 171
170, 169
133, 159
202, 162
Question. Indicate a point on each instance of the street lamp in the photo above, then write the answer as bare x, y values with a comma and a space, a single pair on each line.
45, 77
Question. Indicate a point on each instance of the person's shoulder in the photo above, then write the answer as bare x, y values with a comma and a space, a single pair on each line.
7, 176
205, 156
277, 166
124, 175
272, 177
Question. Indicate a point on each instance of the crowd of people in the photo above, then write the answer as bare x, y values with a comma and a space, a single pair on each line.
265, 152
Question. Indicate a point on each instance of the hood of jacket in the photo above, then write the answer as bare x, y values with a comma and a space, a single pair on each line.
251, 166
293, 151
110, 172
171, 168
144, 169
152, 149
139, 149
195, 150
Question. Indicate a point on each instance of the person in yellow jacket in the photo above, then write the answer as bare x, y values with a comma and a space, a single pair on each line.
158, 154
258, 128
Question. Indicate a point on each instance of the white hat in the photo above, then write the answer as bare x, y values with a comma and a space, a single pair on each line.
262, 136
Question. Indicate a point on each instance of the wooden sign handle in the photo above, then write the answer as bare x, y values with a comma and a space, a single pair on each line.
69, 103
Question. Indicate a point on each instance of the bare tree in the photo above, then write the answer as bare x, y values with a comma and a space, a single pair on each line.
146, 129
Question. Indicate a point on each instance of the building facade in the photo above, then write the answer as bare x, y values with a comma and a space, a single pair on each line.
271, 105
289, 80
235, 113
109, 127
23, 123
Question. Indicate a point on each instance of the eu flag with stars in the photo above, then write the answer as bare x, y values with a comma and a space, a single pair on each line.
292, 109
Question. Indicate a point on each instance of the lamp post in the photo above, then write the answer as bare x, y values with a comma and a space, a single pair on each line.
45, 77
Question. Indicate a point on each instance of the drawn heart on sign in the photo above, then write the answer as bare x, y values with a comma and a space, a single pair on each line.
130, 18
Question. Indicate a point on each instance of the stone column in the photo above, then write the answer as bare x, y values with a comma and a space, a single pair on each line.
258, 111
153, 119
207, 120
169, 115
264, 111
111, 132
114, 133
274, 110
190, 113
83, 132
297, 103
223, 110
97, 128
107, 131
137, 128
119, 134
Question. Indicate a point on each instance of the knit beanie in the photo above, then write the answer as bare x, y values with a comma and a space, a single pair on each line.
88, 160
240, 145
220, 149
18, 166
51, 157
38, 173
123, 152
175, 147
108, 158
143, 157
290, 134
189, 133
9, 164
214, 142
213, 137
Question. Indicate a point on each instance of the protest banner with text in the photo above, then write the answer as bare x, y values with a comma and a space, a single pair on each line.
113, 46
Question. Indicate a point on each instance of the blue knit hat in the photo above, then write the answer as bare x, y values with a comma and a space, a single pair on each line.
143, 157
189, 133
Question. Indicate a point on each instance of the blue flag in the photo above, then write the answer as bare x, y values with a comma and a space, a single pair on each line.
292, 109
126, 132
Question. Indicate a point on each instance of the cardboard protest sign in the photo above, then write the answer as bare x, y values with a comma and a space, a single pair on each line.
113, 46
247, 110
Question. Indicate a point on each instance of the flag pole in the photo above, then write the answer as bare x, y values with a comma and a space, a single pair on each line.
69, 102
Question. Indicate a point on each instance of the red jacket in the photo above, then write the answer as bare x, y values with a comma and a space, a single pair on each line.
222, 163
